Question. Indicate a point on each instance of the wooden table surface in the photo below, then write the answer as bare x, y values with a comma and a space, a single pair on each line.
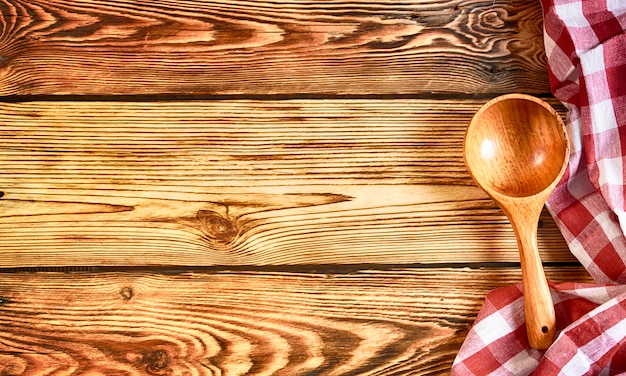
253, 188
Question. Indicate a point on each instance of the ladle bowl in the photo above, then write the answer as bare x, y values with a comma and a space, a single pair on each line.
516, 149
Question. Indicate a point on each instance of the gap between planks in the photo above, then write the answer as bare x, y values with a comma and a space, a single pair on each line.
335, 269
186, 97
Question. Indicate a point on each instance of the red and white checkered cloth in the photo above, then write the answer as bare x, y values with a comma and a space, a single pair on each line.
590, 319
585, 44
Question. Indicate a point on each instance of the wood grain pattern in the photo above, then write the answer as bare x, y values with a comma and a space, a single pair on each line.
253, 179
246, 183
395, 322
258, 47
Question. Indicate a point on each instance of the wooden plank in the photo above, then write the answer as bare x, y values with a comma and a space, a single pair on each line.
246, 183
395, 322
281, 47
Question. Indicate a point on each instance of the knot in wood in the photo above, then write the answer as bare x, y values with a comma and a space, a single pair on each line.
127, 293
5, 66
493, 19
158, 361
217, 227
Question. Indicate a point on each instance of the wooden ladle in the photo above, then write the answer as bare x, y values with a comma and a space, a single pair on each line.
516, 149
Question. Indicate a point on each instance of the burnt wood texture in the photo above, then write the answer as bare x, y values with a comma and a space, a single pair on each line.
253, 188
393, 322
277, 47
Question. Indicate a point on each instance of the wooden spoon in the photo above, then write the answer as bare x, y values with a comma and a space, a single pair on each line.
516, 149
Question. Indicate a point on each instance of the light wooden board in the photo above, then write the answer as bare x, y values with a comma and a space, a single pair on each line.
282, 47
395, 322
246, 183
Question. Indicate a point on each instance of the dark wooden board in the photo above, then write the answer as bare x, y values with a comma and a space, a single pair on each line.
393, 322
285, 47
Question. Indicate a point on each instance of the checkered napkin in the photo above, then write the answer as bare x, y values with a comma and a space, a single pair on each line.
585, 44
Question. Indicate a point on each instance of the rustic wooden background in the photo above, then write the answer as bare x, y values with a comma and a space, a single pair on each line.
253, 187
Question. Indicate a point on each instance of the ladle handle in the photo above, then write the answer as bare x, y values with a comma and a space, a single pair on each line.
538, 305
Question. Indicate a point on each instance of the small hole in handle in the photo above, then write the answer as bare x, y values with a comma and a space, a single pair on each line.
544, 329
